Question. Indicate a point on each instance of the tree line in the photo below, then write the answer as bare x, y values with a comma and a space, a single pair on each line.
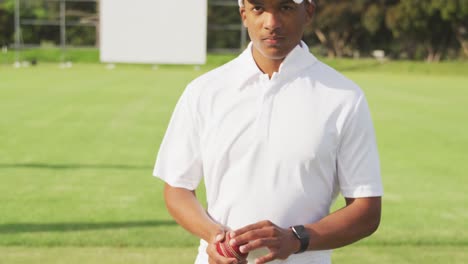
429, 30
40, 22
404, 29
414, 29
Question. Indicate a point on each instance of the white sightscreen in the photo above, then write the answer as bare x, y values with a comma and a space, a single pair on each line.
153, 31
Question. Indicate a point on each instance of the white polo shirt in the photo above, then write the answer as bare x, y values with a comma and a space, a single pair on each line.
279, 149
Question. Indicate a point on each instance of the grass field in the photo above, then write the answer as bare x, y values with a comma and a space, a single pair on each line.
77, 148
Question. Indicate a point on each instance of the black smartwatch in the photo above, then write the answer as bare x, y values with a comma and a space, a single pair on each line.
301, 233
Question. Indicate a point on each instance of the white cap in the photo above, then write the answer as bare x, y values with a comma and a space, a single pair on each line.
241, 2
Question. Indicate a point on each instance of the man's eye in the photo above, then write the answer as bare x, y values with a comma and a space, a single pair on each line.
257, 8
287, 7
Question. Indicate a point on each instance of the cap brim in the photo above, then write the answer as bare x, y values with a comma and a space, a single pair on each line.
241, 2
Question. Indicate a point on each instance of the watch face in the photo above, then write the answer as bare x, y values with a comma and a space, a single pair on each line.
299, 231
300, 228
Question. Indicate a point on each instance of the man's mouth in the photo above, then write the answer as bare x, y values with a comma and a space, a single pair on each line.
273, 40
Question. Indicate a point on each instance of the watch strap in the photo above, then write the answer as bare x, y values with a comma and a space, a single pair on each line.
301, 233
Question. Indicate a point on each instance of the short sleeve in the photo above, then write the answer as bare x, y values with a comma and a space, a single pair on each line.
358, 163
179, 161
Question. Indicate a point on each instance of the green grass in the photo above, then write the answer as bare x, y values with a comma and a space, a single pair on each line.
91, 55
98, 255
77, 148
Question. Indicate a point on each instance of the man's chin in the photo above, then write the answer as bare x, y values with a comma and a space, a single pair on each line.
274, 53
271, 52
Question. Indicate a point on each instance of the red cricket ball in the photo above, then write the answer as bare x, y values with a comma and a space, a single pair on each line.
225, 249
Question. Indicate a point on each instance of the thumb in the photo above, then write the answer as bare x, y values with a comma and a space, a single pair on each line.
220, 234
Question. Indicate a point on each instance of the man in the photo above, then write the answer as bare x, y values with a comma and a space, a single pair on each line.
276, 135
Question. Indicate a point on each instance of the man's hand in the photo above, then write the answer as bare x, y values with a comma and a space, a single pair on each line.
281, 242
213, 256
190, 214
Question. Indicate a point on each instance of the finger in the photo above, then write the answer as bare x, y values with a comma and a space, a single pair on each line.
220, 237
267, 258
226, 261
250, 227
265, 232
215, 257
259, 243
220, 234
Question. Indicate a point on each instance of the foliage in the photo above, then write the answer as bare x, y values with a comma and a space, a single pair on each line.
49, 11
224, 26
430, 25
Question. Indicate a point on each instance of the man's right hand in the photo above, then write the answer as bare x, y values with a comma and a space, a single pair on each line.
213, 255
183, 205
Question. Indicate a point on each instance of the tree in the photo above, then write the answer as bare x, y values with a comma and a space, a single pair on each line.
454, 12
334, 26
345, 26
224, 25
78, 12
427, 25
6, 22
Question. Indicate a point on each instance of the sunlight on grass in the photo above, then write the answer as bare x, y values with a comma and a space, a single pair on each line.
77, 148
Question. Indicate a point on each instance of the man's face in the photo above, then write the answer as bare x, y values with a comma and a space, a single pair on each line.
275, 26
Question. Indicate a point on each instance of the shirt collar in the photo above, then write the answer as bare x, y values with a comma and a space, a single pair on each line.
297, 60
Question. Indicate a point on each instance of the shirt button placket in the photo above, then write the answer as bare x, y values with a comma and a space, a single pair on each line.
265, 109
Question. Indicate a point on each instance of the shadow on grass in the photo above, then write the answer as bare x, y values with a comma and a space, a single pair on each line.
12, 228
74, 166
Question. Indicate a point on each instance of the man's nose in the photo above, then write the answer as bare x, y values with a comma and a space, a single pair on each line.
272, 21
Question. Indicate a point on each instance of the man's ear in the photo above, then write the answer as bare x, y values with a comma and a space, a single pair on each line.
242, 15
310, 10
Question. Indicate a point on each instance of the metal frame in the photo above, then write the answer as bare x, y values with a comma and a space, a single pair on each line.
233, 27
62, 23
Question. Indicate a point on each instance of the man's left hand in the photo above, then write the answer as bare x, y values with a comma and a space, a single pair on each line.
281, 242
